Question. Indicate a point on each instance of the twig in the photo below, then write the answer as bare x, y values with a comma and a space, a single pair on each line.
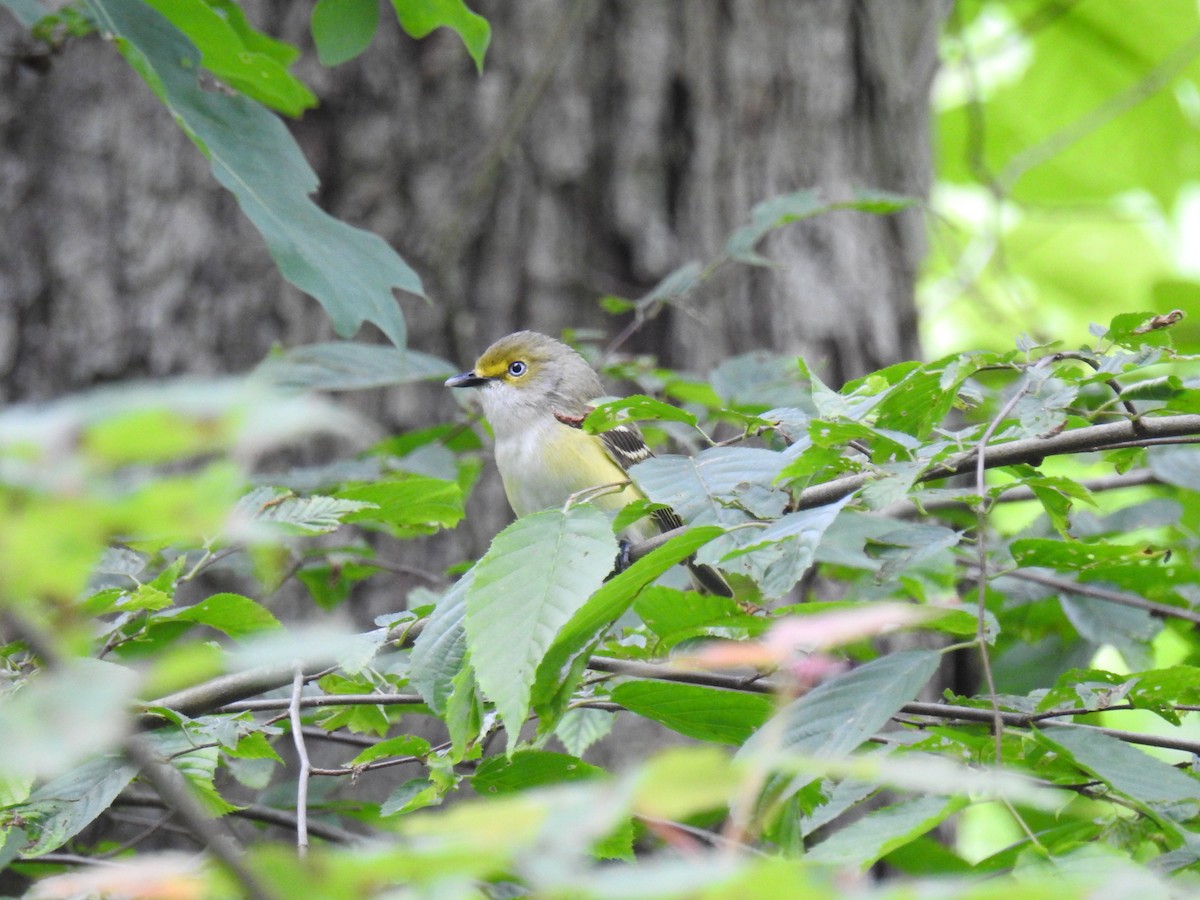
170, 785
324, 700
256, 813
1159, 610
305, 766
1111, 435
981, 512
661, 672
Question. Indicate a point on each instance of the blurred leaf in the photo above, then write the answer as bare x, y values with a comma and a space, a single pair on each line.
536, 575
816, 725
342, 29
350, 272
420, 17
683, 781
89, 696
879, 832
28, 12
405, 745
1179, 466
1125, 768
708, 714
348, 366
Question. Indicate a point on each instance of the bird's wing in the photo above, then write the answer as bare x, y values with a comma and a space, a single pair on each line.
627, 448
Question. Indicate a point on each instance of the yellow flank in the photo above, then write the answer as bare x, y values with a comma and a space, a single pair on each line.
568, 461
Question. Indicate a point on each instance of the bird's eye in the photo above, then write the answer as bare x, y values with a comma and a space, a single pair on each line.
517, 368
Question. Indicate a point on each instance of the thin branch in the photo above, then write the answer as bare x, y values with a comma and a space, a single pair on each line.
1093, 438
1158, 610
305, 766
947, 711
324, 700
171, 786
981, 511
256, 813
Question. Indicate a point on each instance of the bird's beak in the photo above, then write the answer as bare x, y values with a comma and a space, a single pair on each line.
466, 379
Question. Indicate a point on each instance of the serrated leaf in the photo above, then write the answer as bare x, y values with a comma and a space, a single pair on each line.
317, 514
420, 17
407, 504
777, 556
580, 728
415, 793
538, 572
348, 366
349, 271
232, 614
561, 665
721, 486
441, 647
708, 714
342, 29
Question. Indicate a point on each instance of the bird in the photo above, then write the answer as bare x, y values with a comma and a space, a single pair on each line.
535, 392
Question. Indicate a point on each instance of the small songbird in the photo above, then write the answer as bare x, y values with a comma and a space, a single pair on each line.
535, 392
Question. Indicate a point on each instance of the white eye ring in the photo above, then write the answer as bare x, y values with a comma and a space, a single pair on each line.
516, 369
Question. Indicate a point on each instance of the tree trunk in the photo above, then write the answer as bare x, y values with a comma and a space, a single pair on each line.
604, 145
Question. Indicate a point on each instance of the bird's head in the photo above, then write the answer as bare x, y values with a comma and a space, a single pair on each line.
527, 373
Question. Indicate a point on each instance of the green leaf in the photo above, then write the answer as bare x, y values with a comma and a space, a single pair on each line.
349, 271
777, 556
232, 614
866, 841
708, 714
721, 486
527, 769
407, 504
348, 366
580, 728
417, 793
560, 668
636, 407
405, 745
441, 647
767, 216
224, 51
60, 809
819, 725
309, 515
1077, 555
420, 17
1125, 768
675, 616
538, 572
342, 29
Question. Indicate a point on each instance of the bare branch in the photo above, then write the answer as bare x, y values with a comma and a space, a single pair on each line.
305, 766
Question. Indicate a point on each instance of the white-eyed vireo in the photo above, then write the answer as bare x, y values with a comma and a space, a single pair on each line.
535, 393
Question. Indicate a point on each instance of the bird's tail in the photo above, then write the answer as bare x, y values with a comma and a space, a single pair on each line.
707, 579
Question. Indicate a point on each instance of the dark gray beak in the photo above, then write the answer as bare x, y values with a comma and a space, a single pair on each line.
466, 379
